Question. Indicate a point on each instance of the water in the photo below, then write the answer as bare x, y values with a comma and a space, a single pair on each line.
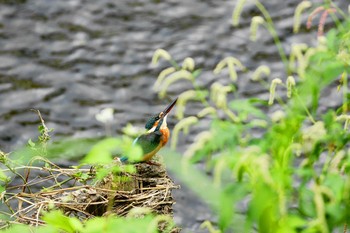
70, 59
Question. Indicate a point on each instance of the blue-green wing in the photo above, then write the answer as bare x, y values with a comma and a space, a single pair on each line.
148, 142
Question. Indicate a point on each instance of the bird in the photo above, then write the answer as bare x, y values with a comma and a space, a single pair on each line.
155, 138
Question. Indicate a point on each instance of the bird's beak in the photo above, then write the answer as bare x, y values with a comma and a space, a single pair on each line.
169, 107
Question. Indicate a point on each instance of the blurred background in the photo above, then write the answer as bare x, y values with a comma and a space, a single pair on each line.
71, 59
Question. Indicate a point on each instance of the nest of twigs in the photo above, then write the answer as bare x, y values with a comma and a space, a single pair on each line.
73, 192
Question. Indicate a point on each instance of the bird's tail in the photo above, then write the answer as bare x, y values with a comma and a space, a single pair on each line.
123, 159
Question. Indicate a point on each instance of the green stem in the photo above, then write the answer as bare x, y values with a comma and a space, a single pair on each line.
174, 64
345, 92
326, 166
270, 27
6, 202
304, 107
198, 89
340, 11
336, 21
13, 170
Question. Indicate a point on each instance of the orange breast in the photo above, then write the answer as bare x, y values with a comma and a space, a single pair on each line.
165, 136
163, 140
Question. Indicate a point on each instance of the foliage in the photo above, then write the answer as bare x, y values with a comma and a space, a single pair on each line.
37, 207
58, 222
290, 166
35, 157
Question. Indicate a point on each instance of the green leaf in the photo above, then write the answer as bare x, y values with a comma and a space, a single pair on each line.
306, 203
133, 152
196, 73
97, 225
17, 228
59, 220
102, 151
227, 203
31, 143
248, 108
4, 177
190, 175
102, 172
296, 221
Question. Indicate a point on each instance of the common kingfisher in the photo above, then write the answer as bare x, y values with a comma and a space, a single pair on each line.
156, 137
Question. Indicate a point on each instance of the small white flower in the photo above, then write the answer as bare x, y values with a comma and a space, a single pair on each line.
105, 115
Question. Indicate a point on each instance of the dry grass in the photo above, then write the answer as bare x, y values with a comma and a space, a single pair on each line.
72, 191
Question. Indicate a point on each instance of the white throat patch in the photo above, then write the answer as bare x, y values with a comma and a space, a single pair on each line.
163, 126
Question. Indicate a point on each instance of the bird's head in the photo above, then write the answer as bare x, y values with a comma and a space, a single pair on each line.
159, 120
